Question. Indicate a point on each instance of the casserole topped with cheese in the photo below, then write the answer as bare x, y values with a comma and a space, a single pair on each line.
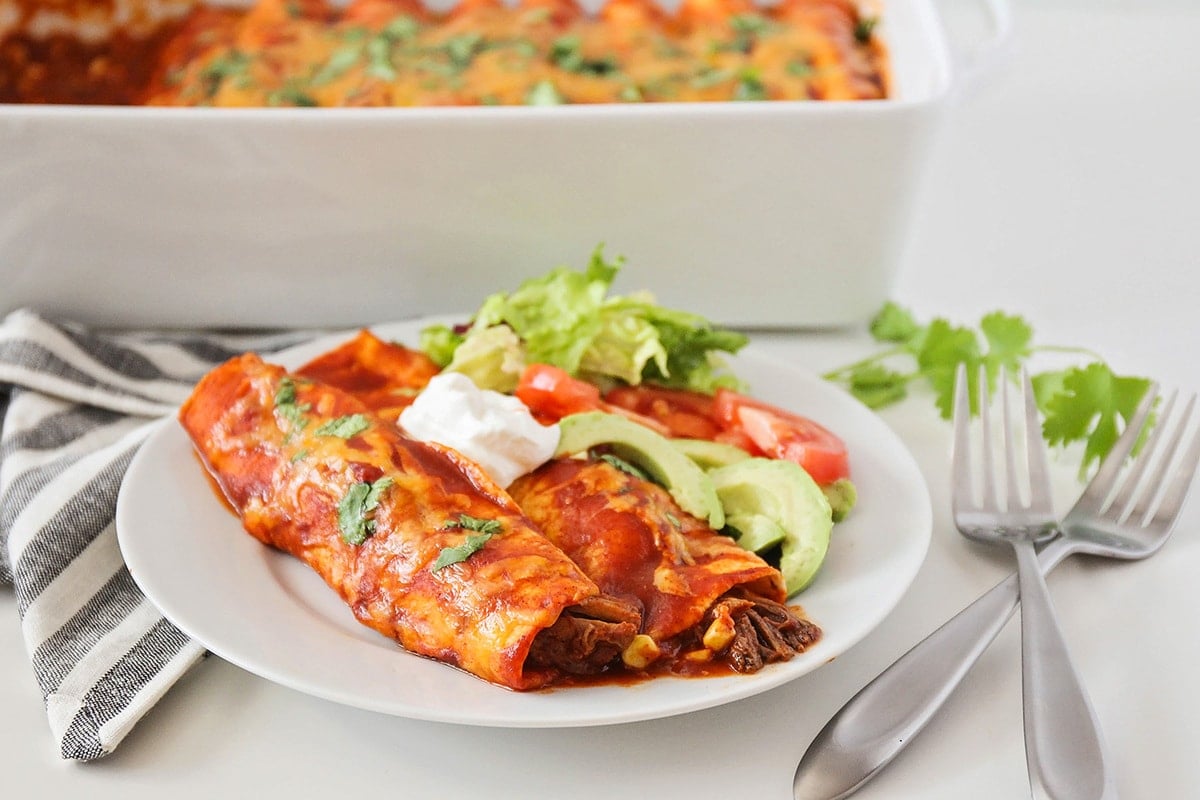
481, 52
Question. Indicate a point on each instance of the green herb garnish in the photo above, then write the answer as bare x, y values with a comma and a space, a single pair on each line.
799, 68
709, 77
291, 96
379, 58
1086, 403
234, 65
624, 466
462, 48
338, 64
287, 407
864, 29
485, 530
747, 28
750, 86
630, 94
544, 93
565, 53
355, 520
345, 427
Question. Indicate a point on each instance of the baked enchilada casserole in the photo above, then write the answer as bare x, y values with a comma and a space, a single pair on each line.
480, 52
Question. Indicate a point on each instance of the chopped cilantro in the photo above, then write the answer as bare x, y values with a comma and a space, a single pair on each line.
467, 522
234, 65
630, 94
338, 64
799, 68
749, 23
544, 93
291, 96
288, 409
485, 529
345, 427
379, 58
461, 49
402, 27
708, 77
747, 28
864, 29
566, 54
624, 466
750, 86
453, 555
355, 520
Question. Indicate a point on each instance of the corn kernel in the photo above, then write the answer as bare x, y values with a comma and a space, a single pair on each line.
641, 652
720, 632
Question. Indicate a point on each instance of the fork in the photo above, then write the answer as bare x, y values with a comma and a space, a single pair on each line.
885, 715
1064, 748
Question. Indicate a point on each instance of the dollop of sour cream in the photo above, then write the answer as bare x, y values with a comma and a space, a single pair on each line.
494, 430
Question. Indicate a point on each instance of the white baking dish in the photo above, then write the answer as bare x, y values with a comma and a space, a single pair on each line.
755, 214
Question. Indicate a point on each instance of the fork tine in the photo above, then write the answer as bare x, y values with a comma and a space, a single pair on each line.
1180, 480
1101, 484
1122, 502
1177, 491
1014, 500
1035, 451
961, 456
991, 498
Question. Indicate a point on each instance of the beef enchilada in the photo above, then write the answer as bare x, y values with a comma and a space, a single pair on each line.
420, 543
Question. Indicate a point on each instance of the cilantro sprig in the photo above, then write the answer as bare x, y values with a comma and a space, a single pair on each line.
1086, 403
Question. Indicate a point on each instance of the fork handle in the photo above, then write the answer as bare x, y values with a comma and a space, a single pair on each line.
875, 725
1063, 746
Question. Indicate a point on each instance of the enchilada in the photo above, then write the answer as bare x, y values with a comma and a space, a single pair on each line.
421, 544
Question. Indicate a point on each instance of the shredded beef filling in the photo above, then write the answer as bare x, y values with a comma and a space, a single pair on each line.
587, 637
764, 631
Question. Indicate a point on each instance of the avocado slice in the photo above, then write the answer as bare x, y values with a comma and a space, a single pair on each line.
783, 493
842, 496
651, 452
755, 532
709, 455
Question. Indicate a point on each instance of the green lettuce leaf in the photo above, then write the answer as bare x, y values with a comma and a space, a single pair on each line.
566, 318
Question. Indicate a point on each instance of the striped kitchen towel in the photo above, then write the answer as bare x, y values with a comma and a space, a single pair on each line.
75, 405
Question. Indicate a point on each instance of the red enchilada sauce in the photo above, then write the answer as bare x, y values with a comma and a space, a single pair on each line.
482, 52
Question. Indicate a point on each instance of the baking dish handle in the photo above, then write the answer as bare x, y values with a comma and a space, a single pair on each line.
971, 62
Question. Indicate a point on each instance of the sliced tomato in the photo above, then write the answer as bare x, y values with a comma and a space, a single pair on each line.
552, 393
739, 438
682, 412
782, 434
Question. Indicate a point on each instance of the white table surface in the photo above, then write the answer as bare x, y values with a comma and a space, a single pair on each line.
1065, 189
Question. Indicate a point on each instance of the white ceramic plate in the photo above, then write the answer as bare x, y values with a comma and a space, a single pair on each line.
273, 616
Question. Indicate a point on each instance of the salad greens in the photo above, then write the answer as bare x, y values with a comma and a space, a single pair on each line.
567, 318
1086, 404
